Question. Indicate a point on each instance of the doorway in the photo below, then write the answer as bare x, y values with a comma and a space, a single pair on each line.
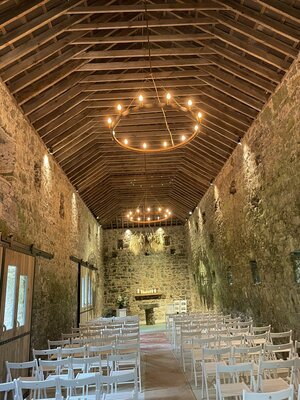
16, 288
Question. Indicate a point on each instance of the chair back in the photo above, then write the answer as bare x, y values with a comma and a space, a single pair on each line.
287, 394
58, 343
47, 354
37, 386
27, 365
272, 351
58, 366
283, 337
93, 380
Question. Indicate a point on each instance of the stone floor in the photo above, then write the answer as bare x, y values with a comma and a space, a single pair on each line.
163, 377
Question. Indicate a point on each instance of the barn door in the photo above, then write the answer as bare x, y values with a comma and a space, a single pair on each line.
16, 288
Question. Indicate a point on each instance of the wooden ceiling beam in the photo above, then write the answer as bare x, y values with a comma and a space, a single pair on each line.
32, 44
152, 23
62, 119
195, 37
262, 19
140, 8
51, 116
173, 51
77, 145
227, 98
85, 128
114, 66
240, 71
246, 63
44, 69
36, 23
236, 94
101, 87
255, 34
48, 81
59, 93
19, 11
38, 57
253, 50
140, 76
282, 8
232, 80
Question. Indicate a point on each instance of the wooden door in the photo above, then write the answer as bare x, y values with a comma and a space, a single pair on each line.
16, 284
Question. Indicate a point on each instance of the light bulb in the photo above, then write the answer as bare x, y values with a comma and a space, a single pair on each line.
125, 141
119, 107
130, 212
141, 98
148, 219
168, 96
157, 217
196, 127
127, 215
109, 121
199, 115
131, 218
144, 145
137, 210
190, 212
165, 144
190, 103
159, 209
183, 138
167, 210
166, 215
139, 219
148, 209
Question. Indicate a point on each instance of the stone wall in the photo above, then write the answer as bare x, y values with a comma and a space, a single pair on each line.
38, 205
127, 273
244, 234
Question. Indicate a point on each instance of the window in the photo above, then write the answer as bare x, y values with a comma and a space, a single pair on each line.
21, 314
255, 273
90, 292
10, 297
83, 286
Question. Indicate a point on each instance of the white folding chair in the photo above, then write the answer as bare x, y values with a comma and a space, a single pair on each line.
38, 389
247, 354
210, 359
58, 343
72, 387
16, 370
231, 340
278, 351
275, 375
48, 354
254, 340
102, 351
121, 364
73, 352
111, 384
260, 329
286, 394
231, 380
51, 369
86, 367
197, 349
127, 348
281, 337
7, 388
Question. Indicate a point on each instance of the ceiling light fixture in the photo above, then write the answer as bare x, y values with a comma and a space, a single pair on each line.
148, 211
168, 135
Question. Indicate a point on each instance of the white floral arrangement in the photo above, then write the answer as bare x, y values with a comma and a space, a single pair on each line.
122, 301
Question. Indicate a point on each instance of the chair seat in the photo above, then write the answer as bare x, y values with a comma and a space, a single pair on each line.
273, 385
62, 376
233, 389
119, 396
121, 372
80, 397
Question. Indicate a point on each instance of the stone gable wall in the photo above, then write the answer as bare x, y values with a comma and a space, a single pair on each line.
126, 273
38, 205
244, 235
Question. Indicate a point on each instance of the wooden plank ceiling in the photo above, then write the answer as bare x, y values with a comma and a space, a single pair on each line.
67, 63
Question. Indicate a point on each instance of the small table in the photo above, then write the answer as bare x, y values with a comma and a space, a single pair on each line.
149, 312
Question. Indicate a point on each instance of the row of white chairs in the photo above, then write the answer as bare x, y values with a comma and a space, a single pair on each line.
94, 387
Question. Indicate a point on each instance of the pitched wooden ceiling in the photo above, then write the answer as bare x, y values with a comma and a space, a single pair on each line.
68, 62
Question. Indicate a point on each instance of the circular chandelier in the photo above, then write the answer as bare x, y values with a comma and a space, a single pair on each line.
148, 215
169, 137
162, 136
